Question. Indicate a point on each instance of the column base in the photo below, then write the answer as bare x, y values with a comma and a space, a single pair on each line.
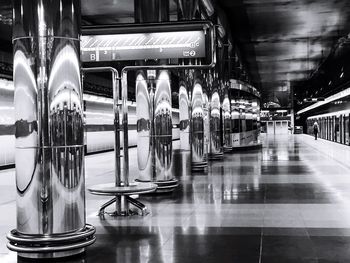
53, 246
215, 156
163, 186
199, 166
227, 149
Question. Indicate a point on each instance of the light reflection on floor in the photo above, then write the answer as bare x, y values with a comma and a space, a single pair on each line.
288, 202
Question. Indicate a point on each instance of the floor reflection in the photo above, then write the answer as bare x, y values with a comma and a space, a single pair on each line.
286, 202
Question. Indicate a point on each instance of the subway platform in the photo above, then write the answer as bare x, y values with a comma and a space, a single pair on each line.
286, 202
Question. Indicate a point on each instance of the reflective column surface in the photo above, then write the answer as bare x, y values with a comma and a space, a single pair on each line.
154, 128
286, 202
215, 147
49, 153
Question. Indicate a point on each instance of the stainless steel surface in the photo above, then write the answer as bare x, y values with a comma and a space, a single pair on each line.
151, 11
215, 146
124, 81
115, 88
226, 108
184, 115
19, 238
197, 129
188, 9
154, 113
49, 157
123, 197
110, 189
163, 127
49, 118
144, 123
206, 124
40, 18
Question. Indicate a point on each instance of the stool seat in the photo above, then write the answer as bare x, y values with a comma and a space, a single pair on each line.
134, 188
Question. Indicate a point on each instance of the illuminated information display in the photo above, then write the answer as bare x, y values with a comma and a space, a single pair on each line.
140, 46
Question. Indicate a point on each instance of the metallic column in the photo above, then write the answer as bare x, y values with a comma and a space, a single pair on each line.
49, 130
206, 129
151, 11
163, 127
215, 149
184, 117
125, 178
226, 107
188, 10
160, 110
143, 115
197, 136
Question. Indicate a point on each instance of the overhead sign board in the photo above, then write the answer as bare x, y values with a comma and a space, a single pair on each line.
144, 45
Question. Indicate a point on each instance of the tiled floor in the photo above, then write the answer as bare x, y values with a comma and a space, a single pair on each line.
288, 202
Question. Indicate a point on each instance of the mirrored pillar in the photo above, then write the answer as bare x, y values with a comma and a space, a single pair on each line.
215, 148
184, 117
49, 131
199, 161
227, 129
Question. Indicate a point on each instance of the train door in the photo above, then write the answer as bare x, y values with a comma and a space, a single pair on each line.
333, 129
323, 129
278, 127
284, 127
328, 129
270, 129
346, 129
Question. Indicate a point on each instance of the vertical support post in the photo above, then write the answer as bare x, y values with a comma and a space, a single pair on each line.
124, 77
115, 84
48, 102
292, 119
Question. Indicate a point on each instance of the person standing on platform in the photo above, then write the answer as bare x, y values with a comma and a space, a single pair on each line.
316, 129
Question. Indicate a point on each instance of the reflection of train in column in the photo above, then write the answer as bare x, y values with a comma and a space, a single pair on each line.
245, 115
244, 123
99, 128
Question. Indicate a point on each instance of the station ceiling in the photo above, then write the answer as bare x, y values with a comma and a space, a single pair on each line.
285, 40
280, 41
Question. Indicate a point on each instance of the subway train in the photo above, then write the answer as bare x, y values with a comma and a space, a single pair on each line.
99, 128
333, 126
245, 122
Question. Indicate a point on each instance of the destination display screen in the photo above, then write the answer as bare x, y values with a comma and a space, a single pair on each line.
142, 46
